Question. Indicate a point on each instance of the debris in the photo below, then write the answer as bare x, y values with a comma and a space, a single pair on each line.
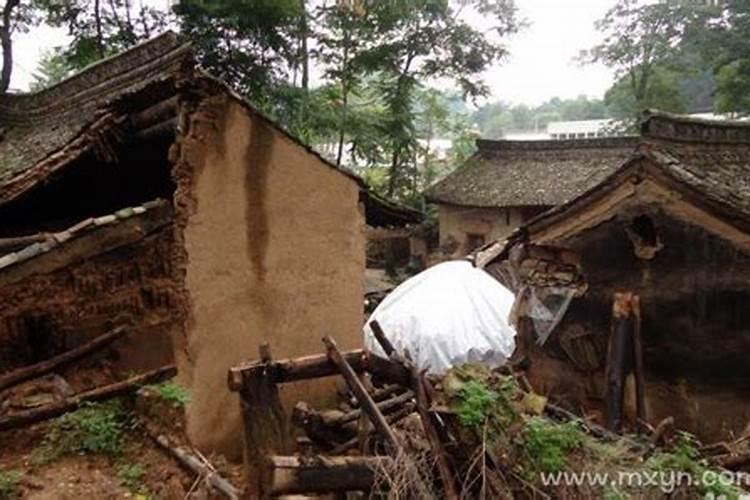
27, 417
33, 371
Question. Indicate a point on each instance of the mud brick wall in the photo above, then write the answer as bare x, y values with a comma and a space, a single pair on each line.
46, 314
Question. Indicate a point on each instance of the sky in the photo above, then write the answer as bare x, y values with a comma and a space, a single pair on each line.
540, 66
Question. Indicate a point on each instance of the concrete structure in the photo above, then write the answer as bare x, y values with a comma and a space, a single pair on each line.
144, 190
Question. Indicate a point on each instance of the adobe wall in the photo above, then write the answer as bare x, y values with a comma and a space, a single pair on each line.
274, 243
458, 222
45, 314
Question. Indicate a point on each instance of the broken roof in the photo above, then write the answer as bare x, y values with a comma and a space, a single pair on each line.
531, 173
704, 163
42, 132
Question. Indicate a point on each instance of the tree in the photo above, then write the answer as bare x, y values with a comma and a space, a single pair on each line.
418, 40
728, 46
100, 28
642, 43
52, 68
17, 16
250, 44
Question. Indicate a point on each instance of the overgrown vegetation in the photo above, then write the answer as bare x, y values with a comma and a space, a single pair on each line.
9, 488
95, 428
548, 442
173, 393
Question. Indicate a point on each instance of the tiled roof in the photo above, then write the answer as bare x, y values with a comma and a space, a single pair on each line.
531, 173
82, 228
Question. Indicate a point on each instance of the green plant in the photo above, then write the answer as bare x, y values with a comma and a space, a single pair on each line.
131, 476
684, 457
9, 484
95, 428
476, 401
547, 442
173, 393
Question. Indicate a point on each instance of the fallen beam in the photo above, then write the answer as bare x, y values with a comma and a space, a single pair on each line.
317, 366
365, 401
35, 415
33, 371
284, 475
197, 466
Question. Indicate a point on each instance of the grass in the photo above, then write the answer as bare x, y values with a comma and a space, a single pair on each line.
547, 442
131, 477
174, 394
95, 428
9, 489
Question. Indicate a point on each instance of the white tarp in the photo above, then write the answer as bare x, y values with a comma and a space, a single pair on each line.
450, 314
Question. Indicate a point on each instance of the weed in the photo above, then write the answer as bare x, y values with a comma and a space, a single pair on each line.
131, 476
684, 457
173, 393
476, 401
547, 442
95, 428
9, 485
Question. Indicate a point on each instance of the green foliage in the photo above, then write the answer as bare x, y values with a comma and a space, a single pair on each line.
131, 476
685, 457
476, 403
52, 68
173, 393
9, 489
727, 46
95, 428
548, 442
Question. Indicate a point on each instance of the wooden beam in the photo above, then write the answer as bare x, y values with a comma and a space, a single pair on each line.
29, 372
619, 359
288, 475
365, 401
640, 381
317, 366
56, 409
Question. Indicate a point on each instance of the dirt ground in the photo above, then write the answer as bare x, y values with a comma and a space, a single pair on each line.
93, 476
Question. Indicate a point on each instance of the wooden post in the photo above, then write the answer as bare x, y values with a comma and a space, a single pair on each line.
265, 426
640, 382
619, 358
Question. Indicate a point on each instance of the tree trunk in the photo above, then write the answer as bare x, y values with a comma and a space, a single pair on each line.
7, 44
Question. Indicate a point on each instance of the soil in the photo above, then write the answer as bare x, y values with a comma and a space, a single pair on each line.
96, 476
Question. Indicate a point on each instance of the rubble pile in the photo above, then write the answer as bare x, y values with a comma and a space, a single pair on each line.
470, 433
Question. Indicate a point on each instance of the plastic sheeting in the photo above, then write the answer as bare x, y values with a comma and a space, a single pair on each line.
450, 314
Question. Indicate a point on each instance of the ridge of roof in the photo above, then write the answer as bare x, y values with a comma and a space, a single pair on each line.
488, 145
672, 127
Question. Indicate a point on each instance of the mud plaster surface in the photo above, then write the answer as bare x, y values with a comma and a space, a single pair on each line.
275, 252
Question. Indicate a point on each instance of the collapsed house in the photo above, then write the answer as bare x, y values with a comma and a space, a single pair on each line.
144, 191
669, 226
507, 183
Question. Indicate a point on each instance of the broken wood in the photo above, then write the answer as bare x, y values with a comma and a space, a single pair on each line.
27, 417
733, 462
392, 418
619, 359
386, 344
288, 475
199, 467
33, 371
365, 401
14, 243
317, 366
433, 437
